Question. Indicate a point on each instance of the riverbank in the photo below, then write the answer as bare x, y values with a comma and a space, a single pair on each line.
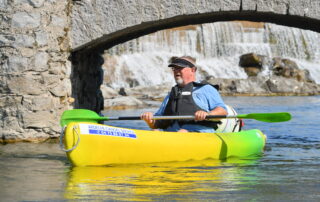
151, 96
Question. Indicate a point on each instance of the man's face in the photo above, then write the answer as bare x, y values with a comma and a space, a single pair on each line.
183, 76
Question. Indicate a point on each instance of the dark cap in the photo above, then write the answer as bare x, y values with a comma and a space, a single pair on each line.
180, 62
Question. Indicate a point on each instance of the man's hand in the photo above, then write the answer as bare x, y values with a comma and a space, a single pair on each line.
147, 117
200, 115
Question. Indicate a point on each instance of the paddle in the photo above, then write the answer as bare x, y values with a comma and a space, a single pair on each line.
84, 115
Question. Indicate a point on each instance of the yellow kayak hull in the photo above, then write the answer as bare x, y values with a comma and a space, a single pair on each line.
89, 144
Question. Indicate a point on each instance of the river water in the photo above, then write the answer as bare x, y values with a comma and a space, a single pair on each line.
289, 169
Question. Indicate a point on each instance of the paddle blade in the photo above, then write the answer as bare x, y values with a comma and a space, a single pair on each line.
82, 115
268, 117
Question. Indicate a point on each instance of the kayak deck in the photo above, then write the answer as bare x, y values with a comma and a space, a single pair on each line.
92, 144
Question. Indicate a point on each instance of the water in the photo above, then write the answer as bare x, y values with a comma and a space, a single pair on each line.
289, 169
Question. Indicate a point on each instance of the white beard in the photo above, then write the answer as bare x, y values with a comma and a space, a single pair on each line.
179, 81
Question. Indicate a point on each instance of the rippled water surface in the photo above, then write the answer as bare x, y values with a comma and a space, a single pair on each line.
289, 169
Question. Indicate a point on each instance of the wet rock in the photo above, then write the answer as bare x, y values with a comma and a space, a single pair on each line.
266, 85
123, 102
108, 92
122, 92
289, 69
251, 60
252, 71
149, 93
252, 63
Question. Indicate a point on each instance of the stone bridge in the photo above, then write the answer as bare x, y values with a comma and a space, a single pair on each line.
51, 50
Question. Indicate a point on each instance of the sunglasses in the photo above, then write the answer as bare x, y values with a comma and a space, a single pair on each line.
177, 68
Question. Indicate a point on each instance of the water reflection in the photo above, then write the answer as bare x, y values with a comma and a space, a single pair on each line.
159, 181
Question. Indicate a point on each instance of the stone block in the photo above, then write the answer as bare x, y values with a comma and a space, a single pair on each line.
39, 119
230, 5
209, 6
41, 38
26, 20
26, 85
12, 123
6, 40
23, 40
275, 6
36, 3
10, 101
51, 80
27, 52
58, 21
41, 61
38, 103
249, 5
59, 90
18, 64
3, 4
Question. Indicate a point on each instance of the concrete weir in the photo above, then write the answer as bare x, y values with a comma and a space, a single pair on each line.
50, 51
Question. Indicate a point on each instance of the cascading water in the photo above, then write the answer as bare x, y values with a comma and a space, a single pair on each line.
217, 47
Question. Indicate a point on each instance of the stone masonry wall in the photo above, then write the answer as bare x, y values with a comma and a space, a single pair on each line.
34, 69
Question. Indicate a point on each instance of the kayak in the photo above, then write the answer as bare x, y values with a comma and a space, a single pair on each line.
92, 144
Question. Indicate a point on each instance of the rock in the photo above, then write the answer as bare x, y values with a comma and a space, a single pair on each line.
279, 85
123, 102
252, 71
289, 69
122, 92
150, 92
251, 60
252, 85
108, 92
252, 63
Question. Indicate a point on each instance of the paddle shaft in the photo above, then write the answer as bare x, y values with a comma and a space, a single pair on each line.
169, 117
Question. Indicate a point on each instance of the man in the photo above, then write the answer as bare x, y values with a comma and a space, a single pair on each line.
187, 98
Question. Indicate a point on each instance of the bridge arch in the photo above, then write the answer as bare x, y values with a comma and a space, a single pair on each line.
101, 24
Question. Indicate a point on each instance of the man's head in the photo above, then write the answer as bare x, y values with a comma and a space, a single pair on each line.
184, 69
